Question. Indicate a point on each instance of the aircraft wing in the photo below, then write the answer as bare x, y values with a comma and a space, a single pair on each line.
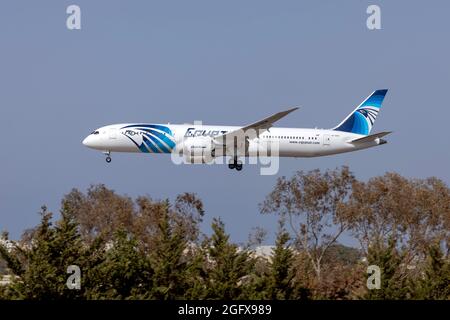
371, 137
265, 123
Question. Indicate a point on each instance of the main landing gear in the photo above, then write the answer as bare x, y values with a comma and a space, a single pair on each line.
235, 164
108, 156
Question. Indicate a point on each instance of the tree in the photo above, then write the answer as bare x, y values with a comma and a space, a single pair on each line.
169, 262
315, 199
41, 267
99, 212
228, 266
189, 212
393, 280
434, 283
412, 211
152, 249
146, 222
126, 271
342, 274
280, 278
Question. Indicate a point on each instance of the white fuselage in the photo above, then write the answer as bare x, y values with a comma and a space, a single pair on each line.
292, 142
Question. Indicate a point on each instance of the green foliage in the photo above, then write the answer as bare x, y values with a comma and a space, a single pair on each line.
434, 283
280, 276
125, 269
228, 266
147, 249
389, 260
168, 261
43, 266
10, 261
278, 280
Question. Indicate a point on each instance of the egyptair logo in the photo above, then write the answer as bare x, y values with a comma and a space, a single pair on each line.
151, 138
370, 113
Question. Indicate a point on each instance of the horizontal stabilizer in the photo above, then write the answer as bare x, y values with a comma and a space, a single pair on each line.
370, 138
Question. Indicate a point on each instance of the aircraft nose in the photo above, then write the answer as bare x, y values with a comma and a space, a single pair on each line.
86, 141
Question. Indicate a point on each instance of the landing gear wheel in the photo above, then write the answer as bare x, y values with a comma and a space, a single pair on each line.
232, 164
108, 159
238, 165
235, 164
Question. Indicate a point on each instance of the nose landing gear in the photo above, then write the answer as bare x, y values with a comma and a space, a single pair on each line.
108, 156
235, 164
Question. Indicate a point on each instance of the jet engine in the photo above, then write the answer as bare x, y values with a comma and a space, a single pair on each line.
198, 150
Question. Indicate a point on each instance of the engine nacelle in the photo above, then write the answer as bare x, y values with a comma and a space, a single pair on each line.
198, 150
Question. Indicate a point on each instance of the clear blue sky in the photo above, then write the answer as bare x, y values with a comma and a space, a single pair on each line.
222, 62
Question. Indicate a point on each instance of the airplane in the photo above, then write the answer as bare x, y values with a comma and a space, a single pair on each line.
204, 143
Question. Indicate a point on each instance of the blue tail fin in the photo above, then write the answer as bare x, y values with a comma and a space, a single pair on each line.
361, 120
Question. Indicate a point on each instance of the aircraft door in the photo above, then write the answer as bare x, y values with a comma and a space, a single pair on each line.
326, 139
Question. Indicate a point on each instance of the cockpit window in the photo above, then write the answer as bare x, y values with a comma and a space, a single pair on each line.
95, 132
